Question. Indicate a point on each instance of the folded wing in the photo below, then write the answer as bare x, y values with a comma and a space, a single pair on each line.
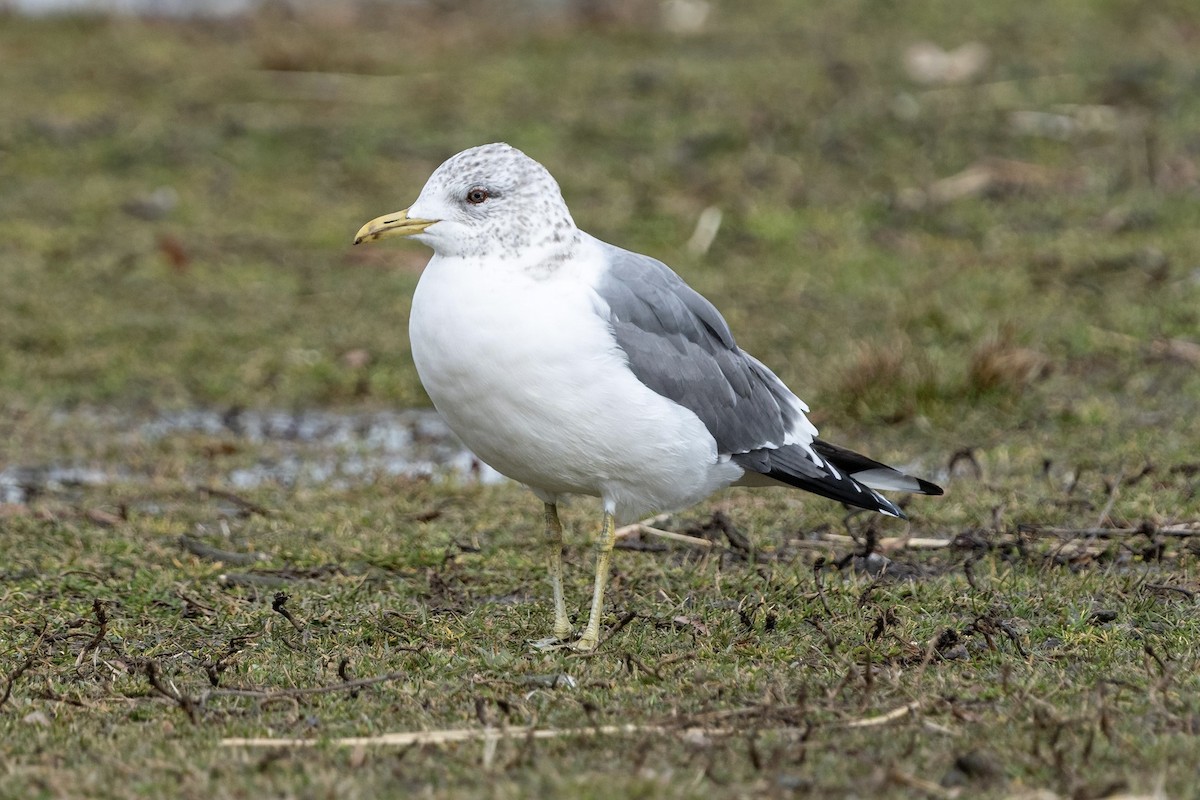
680, 346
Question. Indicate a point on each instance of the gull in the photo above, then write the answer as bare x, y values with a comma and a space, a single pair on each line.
578, 368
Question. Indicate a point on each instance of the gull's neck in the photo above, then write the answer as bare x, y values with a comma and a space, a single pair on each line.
538, 261
545, 258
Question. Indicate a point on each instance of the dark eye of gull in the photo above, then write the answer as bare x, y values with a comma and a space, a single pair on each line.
477, 194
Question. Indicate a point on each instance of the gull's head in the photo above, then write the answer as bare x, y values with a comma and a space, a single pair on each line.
491, 200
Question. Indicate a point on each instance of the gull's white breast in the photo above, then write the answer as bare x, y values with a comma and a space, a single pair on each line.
527, 373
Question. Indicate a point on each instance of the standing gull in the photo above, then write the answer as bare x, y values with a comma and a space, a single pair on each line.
576, 367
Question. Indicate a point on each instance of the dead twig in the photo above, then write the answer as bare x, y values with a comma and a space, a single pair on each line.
642, 528
632, 661
1146, 529
209, 553
13, 677
344, 673
23, 667
969, 571
252, 581
1162, 587
630, 530
248, 506
704, 721
458, 735
737, 540
451, 736
896, 775
46, 693
98, 608
216, 666
819, 565
189, 704
626, 618
1013, 635
1113, 489
892, 543
883, 719
274, 694
193, 607
279, 606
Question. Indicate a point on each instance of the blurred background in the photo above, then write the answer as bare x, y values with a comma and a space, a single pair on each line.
958, 224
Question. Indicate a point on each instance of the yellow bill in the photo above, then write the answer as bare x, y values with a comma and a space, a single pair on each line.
397, 224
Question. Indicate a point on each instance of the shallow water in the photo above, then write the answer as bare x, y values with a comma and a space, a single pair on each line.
311, 448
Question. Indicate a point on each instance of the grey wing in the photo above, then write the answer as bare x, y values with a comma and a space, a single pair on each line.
678, 344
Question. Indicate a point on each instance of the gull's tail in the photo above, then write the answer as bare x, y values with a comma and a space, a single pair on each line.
844, 475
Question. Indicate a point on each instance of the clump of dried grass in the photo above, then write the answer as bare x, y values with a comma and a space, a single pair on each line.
894, 380
999, 365
886, 380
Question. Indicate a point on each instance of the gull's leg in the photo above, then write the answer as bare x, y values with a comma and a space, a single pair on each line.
604, 548
554, 543
553, 540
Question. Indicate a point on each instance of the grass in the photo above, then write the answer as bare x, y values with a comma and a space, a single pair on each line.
1040, 329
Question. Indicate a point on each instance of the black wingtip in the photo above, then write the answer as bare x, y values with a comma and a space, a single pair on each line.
795, 466
851, 462
791, 466
928, 488
886, 507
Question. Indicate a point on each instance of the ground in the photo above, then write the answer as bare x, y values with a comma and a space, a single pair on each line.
991, 280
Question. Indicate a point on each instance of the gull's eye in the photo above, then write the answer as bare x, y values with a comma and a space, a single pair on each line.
477, 194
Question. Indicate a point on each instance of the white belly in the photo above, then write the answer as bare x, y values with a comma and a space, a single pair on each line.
530, 378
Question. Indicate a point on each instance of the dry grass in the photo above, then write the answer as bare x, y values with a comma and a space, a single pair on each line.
998, 365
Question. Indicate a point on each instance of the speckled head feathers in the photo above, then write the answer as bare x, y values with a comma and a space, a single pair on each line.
494, 201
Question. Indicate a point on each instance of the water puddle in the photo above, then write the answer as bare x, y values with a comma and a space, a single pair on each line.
306, 449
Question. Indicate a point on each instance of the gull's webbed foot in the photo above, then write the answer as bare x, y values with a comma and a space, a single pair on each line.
552, 643
585, 644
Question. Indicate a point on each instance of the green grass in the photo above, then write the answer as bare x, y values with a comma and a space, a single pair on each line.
1044, 327
1031, 681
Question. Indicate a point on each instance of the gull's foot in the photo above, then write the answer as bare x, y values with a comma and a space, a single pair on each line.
560, 639
586, 643
551, 643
